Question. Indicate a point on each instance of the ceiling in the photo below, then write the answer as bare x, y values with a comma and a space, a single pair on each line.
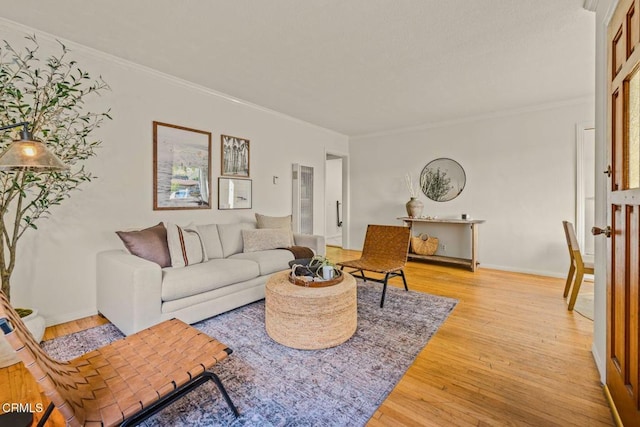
354, 66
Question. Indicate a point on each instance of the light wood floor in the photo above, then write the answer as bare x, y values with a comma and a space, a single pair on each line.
510, 354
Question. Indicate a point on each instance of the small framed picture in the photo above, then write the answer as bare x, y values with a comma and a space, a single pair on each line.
181, 167
234, 156
234, 193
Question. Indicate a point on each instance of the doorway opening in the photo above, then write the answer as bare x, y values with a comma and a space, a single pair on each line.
336, 204
585, 187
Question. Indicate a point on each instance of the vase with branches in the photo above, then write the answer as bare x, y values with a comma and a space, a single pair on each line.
414, 206
48, 93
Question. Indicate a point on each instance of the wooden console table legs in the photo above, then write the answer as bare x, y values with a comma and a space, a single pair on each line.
471, 263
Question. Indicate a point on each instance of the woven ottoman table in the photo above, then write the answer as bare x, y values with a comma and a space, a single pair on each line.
309, 318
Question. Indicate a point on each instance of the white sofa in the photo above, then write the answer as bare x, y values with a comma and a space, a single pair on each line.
134, 293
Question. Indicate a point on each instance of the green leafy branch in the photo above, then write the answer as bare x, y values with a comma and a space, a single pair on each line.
49, 94
435, 184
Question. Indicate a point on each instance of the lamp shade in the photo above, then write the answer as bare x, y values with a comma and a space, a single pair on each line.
30, 154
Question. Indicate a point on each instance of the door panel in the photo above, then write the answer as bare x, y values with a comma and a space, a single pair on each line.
617, 290
616, 136
632, 278
623, 198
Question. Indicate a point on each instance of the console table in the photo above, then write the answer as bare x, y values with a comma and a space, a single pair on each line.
471, 263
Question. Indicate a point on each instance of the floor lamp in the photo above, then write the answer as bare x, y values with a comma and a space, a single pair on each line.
26, 153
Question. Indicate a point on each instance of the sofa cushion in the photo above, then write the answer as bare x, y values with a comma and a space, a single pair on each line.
213, 274
150, 244
211, 240
264, 221
231, 237
185, 245
269, 261
265, 239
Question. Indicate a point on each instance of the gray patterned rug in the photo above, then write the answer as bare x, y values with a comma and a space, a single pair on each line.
273, 385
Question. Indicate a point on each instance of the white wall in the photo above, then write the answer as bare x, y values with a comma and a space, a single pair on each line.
520, 169
56, 264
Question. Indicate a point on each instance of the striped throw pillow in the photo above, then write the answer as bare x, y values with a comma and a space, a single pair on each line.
185, 245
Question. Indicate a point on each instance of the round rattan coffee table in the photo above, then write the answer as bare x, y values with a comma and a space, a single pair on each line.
310, 318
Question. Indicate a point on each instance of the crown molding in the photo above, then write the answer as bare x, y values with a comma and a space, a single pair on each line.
128, 65
590, 5
486, 116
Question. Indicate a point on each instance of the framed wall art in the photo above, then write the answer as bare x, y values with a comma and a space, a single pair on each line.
234, 193
181, 167
234, 156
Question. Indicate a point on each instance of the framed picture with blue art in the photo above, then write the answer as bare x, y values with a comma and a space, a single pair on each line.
234, 193
234, 156
181, 167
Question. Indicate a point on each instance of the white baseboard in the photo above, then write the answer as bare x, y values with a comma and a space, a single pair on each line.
68, 317
525, 271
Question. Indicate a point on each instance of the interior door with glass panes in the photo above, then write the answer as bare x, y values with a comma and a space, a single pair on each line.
623, 199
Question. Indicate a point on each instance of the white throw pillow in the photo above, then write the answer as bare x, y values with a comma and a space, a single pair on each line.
266, 238
185, 245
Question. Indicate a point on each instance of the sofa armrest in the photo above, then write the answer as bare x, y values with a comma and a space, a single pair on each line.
316, 243
129, 290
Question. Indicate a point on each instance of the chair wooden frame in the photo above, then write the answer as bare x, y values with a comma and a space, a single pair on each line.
122, 383
385, 251
578, 267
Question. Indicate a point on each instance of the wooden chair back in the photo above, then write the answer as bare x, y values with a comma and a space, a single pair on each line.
572, 244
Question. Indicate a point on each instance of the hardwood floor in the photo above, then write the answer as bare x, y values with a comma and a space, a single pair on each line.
510, 354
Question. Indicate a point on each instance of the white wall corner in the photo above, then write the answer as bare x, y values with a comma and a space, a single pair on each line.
590, 5
68, 317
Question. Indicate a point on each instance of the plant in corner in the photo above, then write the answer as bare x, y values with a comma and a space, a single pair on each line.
48, 93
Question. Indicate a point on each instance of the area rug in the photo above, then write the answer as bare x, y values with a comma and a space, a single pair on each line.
584, 302
273, 385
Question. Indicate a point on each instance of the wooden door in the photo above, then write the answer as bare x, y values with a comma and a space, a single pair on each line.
623, 247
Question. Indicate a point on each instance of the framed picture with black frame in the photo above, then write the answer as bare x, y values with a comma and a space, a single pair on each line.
234, 156
234, 193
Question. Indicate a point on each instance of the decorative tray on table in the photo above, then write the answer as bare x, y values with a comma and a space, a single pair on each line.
316, 282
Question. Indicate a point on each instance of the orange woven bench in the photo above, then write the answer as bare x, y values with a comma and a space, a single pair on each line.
122, 383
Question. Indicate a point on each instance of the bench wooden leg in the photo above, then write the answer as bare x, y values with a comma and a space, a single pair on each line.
576, 288
567, 286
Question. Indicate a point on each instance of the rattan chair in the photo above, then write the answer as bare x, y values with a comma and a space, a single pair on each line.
385, 251
578, 267
124, 382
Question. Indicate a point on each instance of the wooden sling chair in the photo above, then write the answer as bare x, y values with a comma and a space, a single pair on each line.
578, 268
385, 251
122, 383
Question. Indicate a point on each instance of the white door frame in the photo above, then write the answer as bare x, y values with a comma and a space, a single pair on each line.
345, 193
581, 128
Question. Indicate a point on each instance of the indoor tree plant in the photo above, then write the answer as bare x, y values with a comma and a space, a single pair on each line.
48, 93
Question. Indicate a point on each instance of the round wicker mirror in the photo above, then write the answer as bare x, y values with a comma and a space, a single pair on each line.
442, 180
